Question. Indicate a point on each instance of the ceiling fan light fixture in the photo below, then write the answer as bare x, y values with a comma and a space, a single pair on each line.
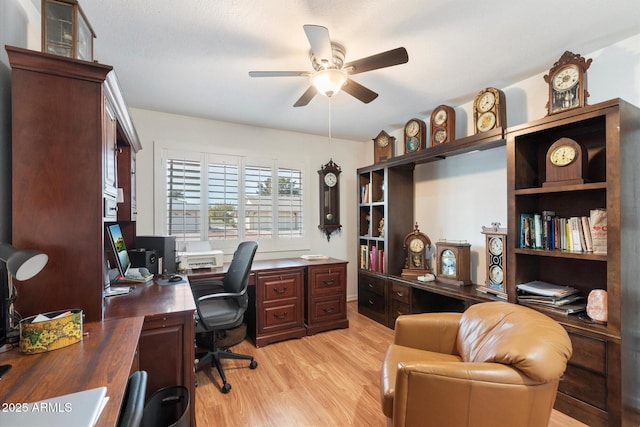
329, 82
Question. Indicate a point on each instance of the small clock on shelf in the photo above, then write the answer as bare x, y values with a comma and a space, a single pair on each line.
489, 110
443, 125
567, 81
566, 163
329, 198
415, 132
453, 260
383, 147
496, 247
416, 245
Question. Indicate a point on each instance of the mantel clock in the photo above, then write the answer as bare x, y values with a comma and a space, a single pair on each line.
567, 81
496, 247
489, 110
416, 245
383, 147
453, 260
566, 163
415, 136
329, 198
443, 125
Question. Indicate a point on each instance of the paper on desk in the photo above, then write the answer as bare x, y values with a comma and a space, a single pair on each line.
81, 409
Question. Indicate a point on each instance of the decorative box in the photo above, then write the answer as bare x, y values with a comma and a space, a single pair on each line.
57, 329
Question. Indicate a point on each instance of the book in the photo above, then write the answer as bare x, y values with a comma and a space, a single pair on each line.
539, 287
537, 231
575, 227
314, 257
526, 239
586, 228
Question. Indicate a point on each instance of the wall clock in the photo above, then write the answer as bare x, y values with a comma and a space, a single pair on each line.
329, 198
453, 260
496, 247
443, 125
415, 136
489, 110
567, 81
566, 163
416, 245
383, 147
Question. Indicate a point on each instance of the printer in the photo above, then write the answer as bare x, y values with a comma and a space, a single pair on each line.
200, 255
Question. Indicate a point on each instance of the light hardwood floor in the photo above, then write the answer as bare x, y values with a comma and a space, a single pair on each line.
329, 379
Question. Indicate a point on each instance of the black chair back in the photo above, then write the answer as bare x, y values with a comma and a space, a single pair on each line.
236, 279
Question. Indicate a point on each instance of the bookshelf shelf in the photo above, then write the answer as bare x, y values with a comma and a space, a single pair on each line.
561, 254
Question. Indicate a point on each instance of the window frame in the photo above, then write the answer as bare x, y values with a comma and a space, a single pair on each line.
276, 243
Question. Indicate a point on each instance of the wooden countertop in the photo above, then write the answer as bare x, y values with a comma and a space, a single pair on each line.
149, 299
270, 264
103, 358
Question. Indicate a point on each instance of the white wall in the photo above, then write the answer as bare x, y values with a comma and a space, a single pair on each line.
455, 197
156, 128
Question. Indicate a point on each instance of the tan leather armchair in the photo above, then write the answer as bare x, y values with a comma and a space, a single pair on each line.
496, 364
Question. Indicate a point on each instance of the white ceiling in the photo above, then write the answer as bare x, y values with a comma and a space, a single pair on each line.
192, 57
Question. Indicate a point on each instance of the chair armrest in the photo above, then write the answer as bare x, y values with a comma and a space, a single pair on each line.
206, 287
220, 295
443, 393
435, 332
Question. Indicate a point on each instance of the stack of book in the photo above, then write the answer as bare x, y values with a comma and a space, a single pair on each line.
560, 299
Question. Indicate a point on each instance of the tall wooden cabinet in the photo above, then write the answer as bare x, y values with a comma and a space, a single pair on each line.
601, 386
68, 121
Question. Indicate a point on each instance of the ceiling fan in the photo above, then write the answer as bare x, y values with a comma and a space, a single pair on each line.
330, 73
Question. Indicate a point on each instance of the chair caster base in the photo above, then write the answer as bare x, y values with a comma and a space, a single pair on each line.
226, 388
253, 364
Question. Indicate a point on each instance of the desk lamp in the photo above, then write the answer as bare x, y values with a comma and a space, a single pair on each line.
23, 265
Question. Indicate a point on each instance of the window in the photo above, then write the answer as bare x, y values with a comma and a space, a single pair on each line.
227, 199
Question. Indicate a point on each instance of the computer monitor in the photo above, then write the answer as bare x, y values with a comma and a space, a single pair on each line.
120, 254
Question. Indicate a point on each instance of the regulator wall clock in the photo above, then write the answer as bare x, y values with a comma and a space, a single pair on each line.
453, 260
329, 198
383, 147
567, 81
489, 110
416, 245
443, 125
496, 247
415, 136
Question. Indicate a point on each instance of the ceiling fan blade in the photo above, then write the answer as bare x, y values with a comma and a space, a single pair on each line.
320, 42
358, 91
278, 73
306, 97
381, 60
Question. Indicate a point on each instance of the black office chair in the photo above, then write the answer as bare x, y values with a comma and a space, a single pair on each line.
133, 402
221, 306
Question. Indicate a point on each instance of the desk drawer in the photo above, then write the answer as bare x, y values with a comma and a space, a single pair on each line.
327, 280
371, 284
401, 293
372, 301
328, 308
281, 316
280, 286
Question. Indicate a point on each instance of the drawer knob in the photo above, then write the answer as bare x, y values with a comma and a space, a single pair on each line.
328, 282
280, 291
400, 294
282, 316
370, 302
329, 310
370, 285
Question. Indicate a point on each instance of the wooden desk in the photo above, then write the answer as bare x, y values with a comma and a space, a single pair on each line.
291, 297
104, 357
166, 346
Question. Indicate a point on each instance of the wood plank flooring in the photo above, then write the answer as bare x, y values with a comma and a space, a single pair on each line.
328, 379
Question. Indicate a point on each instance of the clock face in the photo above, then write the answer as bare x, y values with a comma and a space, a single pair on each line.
330, 179
486, 121
383, 141
448, 263
496, 274
440, 136
412, 128
563, 155
495, 246
566, 78
440, 117
486, 102
412, 144
416, 245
